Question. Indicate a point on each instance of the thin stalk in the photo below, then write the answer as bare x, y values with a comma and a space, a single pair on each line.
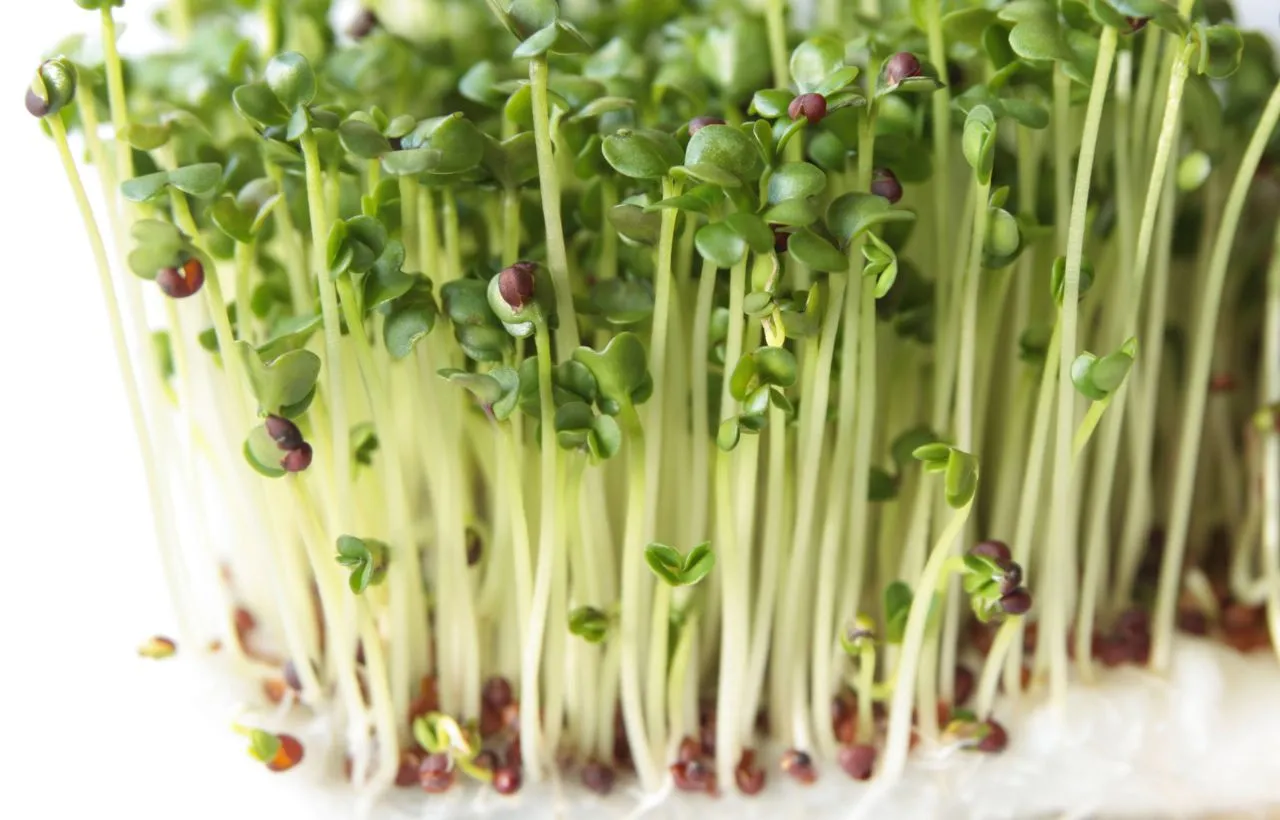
633, 591
115, 94
1197, 379
772, 549
1109, 447
1146, 387
537, 756
549, 181
1008, 632
866, 693
811, 435
1271, 445
898, 734
1061, 551
1029, 502
733, 555
941, 102
776, 19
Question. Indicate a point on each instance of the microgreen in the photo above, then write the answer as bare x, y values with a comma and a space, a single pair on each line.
533, 289
367, 560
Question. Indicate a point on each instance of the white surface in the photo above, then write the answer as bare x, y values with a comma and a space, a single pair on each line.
87, 729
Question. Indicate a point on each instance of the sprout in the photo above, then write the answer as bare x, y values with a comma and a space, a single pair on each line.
53, 88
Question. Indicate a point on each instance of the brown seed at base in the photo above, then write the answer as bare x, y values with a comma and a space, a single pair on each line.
858, 760
995, 739
1193, 622
497, 692
407, 774
296, 461
506, 780
598, 777
181, 283
487, 760
748, 775
1237, 616
436, 773
799, 765
693, 776
288, 755
689, 749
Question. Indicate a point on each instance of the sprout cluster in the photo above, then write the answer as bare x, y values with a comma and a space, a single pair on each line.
686, 372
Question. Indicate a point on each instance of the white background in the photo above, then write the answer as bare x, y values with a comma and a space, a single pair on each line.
86, 726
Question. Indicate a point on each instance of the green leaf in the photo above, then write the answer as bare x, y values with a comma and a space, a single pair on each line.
796, 180
817, 253
197, 180
933, 453
961, 481
966, 25
1058, 278
1037, 33
290, 333
362, 139
1109, 372
262, 453
697, 564
881, 486
264, 746
771, 103
605, 439
979, 141
589, 623
727, 148
1193, 170
728, 434
837, 81
897, 606
854, 213
709, 174
145, 188
622, 301
752, 229
719, 243
259, 105
620, 370
1221, 49
665, 562
634, 223
641, 154
815, 59
290, 78
409, 319
286, 380
146, 137
793, 213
